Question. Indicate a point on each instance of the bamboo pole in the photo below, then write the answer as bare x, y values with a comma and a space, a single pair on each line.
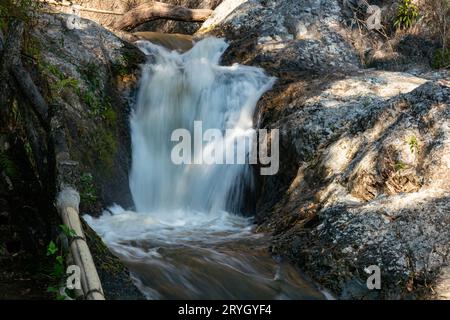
67, 203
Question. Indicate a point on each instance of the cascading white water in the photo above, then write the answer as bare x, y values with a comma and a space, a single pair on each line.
183, 240
177, 90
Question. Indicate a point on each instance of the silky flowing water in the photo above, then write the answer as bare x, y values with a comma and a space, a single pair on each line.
187, 237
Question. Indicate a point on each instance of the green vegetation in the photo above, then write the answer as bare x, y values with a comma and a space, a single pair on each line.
437, 20
125, 64
121, 67
7, 165
68, 232
399, 166
62, 84
101, 140
58, 273
105, 145
101, 145
88, 192
99, 104
441, 58
2, 249
413, 144
32, 47
99, 107
52, 69
407, 14
23, 10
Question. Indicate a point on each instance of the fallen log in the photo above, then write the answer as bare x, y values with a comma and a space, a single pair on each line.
158, 10
29, 90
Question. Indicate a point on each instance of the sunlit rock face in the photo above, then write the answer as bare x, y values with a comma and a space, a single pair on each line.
373, 189
285, 36
365, 180
364, 172
367, 175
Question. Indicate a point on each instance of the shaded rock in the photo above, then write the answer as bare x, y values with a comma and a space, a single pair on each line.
91, 79
114, 276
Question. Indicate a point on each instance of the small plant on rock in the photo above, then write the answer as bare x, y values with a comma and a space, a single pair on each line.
407, 14
7, 165
413, 144
399, 166
88, 190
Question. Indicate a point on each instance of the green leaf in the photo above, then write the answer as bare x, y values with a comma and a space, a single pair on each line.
8, 166
407, 14
51, 248
58, 270
60, 259
69, 232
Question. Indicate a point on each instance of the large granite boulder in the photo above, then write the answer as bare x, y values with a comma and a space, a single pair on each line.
364, 171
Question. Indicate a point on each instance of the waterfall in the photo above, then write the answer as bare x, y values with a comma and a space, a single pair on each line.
183, 240
176, 90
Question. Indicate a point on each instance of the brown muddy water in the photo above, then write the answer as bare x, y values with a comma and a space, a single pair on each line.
170, 261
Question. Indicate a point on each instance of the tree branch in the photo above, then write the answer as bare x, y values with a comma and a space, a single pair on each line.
29, 89
158, 10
